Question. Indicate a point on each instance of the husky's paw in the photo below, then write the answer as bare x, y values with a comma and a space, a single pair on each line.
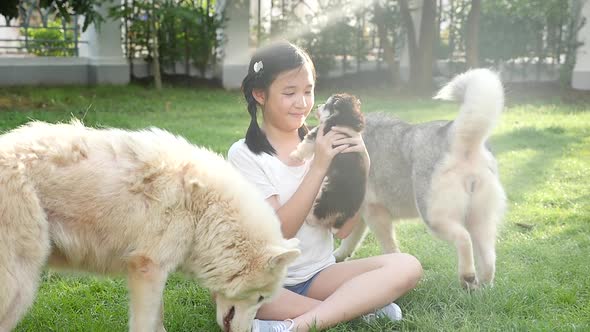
469, 282
340, 256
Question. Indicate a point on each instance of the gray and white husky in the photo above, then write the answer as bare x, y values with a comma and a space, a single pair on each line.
442, 172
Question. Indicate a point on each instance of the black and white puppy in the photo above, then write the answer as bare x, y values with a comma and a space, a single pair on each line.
343, 190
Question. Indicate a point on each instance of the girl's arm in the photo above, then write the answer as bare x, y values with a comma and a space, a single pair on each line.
293, 213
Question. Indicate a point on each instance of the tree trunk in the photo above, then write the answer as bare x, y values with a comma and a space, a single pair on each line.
452, 29
386, 45
437, 40
156, 46
426, 46
259, 25
472, 35
411, 39
420, 49
128, 49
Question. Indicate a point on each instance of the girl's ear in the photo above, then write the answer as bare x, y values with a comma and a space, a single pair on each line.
259, 95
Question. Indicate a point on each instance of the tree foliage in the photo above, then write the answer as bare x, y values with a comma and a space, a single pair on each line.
185, 30
9, 9
532, 31
65, 8
466, 32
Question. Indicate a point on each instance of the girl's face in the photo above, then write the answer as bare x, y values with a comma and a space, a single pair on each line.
289, 99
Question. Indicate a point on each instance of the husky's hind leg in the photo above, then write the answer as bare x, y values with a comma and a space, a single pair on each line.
446, 211
488, 204
451, 230
24, 246
483, 233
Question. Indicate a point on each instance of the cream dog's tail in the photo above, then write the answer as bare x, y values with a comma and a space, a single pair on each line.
482, 100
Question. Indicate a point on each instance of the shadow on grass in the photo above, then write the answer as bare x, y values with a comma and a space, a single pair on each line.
548, 143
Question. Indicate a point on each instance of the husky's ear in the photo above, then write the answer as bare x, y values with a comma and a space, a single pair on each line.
281, 257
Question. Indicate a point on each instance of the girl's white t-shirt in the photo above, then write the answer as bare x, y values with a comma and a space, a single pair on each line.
272, 177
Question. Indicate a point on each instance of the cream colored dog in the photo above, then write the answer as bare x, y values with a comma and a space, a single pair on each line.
143, 204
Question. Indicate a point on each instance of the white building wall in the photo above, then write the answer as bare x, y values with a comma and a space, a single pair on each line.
581, 72
101, 61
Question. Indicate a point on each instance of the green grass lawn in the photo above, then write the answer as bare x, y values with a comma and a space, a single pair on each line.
543, 271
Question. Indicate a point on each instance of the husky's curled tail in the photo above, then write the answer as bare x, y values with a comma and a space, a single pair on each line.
482, 96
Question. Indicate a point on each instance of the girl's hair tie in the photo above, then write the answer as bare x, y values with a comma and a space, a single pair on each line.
258, 66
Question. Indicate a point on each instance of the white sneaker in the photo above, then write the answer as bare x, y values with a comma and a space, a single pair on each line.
272, 325
391, 311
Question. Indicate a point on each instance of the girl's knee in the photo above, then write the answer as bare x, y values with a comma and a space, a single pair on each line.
407, 266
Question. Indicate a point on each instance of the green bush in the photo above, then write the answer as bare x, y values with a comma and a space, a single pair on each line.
50, 41
186, 31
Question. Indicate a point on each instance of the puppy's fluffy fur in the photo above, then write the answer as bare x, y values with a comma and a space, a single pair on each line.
344, 189
441, 171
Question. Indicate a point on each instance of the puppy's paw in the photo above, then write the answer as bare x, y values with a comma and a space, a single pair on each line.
305, 150
296, 155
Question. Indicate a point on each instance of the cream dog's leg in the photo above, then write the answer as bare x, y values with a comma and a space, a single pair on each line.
24, 246
160, 327
20, 295
146, 286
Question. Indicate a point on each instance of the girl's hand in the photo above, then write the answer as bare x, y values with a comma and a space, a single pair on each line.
354, 141
326, 147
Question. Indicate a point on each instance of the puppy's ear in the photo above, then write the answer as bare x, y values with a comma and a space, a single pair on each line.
346, 105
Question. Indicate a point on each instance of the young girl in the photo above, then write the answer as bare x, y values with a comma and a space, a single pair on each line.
318, 292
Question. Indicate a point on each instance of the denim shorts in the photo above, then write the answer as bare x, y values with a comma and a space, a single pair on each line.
303, 287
